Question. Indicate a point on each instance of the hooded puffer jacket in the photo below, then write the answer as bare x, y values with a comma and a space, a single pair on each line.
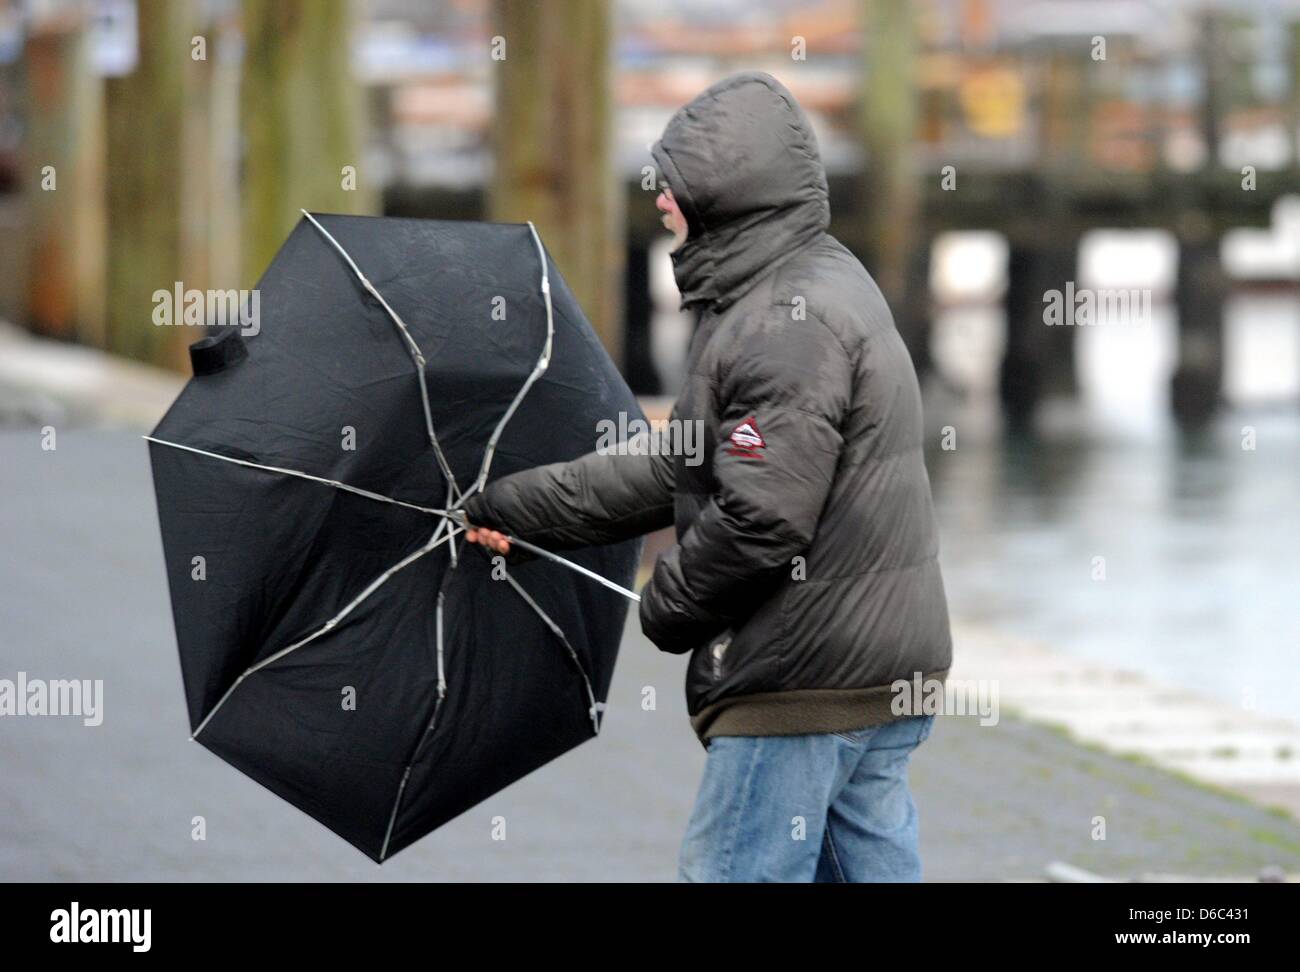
805, 580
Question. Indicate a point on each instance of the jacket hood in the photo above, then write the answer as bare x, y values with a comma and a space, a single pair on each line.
743, 164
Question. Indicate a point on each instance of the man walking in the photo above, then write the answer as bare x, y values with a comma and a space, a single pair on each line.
805, 580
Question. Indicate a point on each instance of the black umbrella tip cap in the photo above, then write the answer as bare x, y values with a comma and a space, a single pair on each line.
213, 354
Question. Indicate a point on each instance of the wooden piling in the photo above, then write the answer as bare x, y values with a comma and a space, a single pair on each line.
891, 196
1201, 294
302, 117
552, 139
146, 156
63, 181
1039, 357
1202, 286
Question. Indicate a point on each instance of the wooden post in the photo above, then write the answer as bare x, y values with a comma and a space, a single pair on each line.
1202, 284
63, 181
1201, 293
302, 116
891, 181
1063, 141
147, 154
553, 146
1293, 100
1039, 358
210, 178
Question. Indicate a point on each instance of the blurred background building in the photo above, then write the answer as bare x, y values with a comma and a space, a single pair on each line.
981, 152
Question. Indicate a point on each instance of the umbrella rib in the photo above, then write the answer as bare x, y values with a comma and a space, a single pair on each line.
451, 548
433, 721
301, 475
411, 347
595, 707
442, 684
577, 568
434, 541
543, 362
442, 673
392, 817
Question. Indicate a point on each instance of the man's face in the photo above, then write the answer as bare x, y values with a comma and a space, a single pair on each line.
671, 217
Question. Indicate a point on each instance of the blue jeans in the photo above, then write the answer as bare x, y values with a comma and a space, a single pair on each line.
825, 807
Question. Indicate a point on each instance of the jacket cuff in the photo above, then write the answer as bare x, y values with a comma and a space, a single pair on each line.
675, 635
478, 512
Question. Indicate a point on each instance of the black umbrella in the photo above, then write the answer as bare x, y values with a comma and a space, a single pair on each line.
339, 642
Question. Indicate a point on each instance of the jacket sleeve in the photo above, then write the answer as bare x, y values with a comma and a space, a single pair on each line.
791, 384
596, 499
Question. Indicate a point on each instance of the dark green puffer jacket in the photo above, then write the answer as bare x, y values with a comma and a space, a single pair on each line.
805, 579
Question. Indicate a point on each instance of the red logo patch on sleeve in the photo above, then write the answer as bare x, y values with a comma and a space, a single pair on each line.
746, 440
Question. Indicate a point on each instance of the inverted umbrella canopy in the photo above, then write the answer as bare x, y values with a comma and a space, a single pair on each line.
339, 642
